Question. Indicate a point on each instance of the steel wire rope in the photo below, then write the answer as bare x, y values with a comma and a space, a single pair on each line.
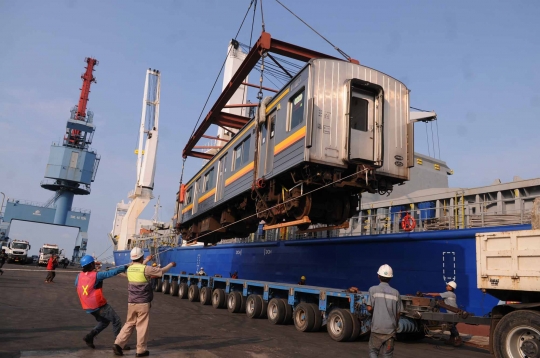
97, 257
221, 70
324, 38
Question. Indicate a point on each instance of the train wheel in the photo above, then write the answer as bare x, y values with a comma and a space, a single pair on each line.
193, 293
165, 286
304, 317
183, 290
234, 302
253, 306
340, 325
218, 298
206, 295
517, 335
276, 311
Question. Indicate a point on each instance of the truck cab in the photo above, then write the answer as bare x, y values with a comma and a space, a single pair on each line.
18, 251
46, 251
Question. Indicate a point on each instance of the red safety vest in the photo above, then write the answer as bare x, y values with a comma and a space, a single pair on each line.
91, 298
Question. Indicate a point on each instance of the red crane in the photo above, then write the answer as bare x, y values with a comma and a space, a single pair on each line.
87, 78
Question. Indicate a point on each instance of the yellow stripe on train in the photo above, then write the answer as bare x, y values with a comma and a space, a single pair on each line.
240, 173
290, 140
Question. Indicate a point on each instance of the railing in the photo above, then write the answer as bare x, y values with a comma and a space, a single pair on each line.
44, 205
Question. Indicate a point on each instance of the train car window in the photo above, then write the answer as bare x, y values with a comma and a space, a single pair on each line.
241, 153
245, 151
263, 134
272, 126
358, 114
189, 196
208, 180
297, 110
237, 158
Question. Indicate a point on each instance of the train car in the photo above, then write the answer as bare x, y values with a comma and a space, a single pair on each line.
337, 129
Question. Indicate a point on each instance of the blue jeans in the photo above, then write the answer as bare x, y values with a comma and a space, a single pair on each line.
105, 315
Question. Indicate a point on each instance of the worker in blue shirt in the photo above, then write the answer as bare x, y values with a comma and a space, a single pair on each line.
89, 284
451, 300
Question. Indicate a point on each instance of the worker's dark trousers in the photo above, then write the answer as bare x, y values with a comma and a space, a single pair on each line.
104, 316
453, 331
50, 276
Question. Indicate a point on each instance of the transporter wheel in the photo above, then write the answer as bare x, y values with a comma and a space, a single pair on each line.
253, 306
356, 327
174, 288
206, 295
264, 307
339, 325
518, 335
288, 312
218, 298
183, 290
193, 293
276, 311
234, 302
165, 286
318, 318
159, 283
304, 317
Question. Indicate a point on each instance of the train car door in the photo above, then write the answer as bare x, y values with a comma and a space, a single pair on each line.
270, 145
220, 185
196, 190
262, 150
361, 131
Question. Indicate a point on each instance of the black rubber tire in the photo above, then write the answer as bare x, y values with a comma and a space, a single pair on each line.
304, 317
174, 288
159, 282
234, 302
253, 306
165, 287
356, 327
183, 290
206, 295
339, 325
524, 318
243, 300
193, 293
264, 310
288, 312
318, 318
276, 311
218, 298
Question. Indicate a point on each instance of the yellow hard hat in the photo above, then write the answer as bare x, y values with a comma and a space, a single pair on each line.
303, 277
154, 264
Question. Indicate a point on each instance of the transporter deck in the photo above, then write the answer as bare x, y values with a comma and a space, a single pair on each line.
47, 321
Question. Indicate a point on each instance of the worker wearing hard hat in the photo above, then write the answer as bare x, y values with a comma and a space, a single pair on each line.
201, 272
384, 304
302, 280
89, 285
450, 299
140, 295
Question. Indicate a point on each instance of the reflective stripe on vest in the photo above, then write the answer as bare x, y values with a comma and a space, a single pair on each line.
91, 298
139, 288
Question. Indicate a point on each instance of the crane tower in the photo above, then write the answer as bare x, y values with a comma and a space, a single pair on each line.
125, 221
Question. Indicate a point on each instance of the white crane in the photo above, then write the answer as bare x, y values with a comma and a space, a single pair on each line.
125, 221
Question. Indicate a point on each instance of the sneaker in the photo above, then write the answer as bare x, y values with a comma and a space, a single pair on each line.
89, 339
458, 342
117, 350
144, 354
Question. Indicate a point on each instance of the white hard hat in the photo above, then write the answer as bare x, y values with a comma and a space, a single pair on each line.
202, 268
136, 253
385, 271
452, 284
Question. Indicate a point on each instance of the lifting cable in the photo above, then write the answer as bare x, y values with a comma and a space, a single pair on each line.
221, 70
324, 38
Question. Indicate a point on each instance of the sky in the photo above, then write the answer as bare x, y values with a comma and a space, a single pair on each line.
474, 62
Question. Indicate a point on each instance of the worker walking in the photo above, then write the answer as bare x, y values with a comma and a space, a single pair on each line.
302, 280
89, 285
140, 295
3, 258
384, 304
451, 300
51, 266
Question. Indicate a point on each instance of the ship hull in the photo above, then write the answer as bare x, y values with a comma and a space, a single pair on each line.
421, 261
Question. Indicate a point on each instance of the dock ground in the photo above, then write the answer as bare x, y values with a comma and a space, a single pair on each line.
46, 320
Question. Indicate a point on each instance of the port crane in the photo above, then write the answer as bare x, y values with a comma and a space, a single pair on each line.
125, 221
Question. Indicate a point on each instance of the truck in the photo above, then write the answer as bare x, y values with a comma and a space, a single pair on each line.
17, 251
46, 251
508, 268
